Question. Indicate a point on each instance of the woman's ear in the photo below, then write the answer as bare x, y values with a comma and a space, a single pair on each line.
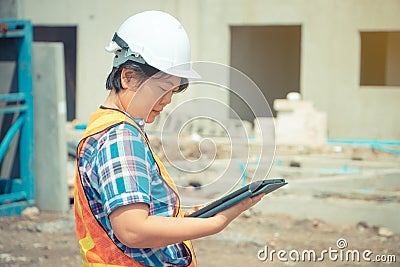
128, 79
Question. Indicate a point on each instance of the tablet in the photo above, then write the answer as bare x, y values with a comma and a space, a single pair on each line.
250, 190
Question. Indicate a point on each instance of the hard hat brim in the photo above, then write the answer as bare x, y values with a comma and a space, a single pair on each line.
112, 47
183, 73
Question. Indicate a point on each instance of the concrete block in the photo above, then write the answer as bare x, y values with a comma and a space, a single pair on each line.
50, 124
301, 127
290, 105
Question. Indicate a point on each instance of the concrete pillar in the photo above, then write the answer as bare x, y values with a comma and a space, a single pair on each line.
50, 119
10, 9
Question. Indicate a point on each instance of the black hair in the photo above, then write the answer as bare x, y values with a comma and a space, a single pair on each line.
143, 72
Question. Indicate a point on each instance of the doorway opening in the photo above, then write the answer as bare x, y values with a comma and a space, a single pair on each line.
270, 56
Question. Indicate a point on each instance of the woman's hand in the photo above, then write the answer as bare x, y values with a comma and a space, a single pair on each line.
223, 218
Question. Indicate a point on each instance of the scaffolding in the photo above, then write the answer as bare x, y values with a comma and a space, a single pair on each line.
16, 117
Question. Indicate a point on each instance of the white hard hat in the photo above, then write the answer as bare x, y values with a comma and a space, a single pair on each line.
154, 38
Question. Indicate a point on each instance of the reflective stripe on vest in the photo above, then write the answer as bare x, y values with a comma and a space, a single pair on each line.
96, 248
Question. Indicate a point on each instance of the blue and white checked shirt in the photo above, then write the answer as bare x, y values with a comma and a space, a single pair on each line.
118, 169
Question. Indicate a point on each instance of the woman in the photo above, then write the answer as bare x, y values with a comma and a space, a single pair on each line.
126, 206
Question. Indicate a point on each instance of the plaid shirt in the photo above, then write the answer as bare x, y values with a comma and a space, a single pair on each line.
118, 169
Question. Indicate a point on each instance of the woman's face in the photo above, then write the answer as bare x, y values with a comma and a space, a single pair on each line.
149, 99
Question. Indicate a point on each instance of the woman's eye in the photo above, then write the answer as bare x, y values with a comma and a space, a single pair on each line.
175, 89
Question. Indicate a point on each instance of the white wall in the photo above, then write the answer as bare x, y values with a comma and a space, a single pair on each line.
330, 55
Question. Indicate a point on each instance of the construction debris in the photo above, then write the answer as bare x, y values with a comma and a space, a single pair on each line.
299, 123
385, 232
30, 213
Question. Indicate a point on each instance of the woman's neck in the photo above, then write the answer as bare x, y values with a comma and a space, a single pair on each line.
114, 101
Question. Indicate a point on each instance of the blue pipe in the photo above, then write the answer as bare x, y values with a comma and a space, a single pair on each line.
5, 143
243, 175
20, 108
12, 197
13, 97
387, 150
376, 144
363, 142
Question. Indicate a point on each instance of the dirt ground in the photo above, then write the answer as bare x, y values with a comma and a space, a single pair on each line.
48, 239
254, 239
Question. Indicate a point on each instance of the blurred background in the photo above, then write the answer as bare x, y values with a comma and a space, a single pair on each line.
329, 70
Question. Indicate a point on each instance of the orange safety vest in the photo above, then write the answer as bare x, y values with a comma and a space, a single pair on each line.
97, 249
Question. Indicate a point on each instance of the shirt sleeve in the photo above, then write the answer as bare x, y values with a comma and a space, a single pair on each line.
123, 169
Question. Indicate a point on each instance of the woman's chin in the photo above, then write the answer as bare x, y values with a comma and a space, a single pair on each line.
150, 118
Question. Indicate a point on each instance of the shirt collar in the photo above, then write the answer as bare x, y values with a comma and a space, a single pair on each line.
140, 122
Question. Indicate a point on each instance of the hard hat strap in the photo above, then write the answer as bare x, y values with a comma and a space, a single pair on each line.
126, 53
120, 41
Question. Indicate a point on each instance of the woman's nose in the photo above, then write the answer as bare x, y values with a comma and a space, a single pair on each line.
167, 98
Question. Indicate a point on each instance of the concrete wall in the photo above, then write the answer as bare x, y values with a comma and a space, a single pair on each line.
330, 54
